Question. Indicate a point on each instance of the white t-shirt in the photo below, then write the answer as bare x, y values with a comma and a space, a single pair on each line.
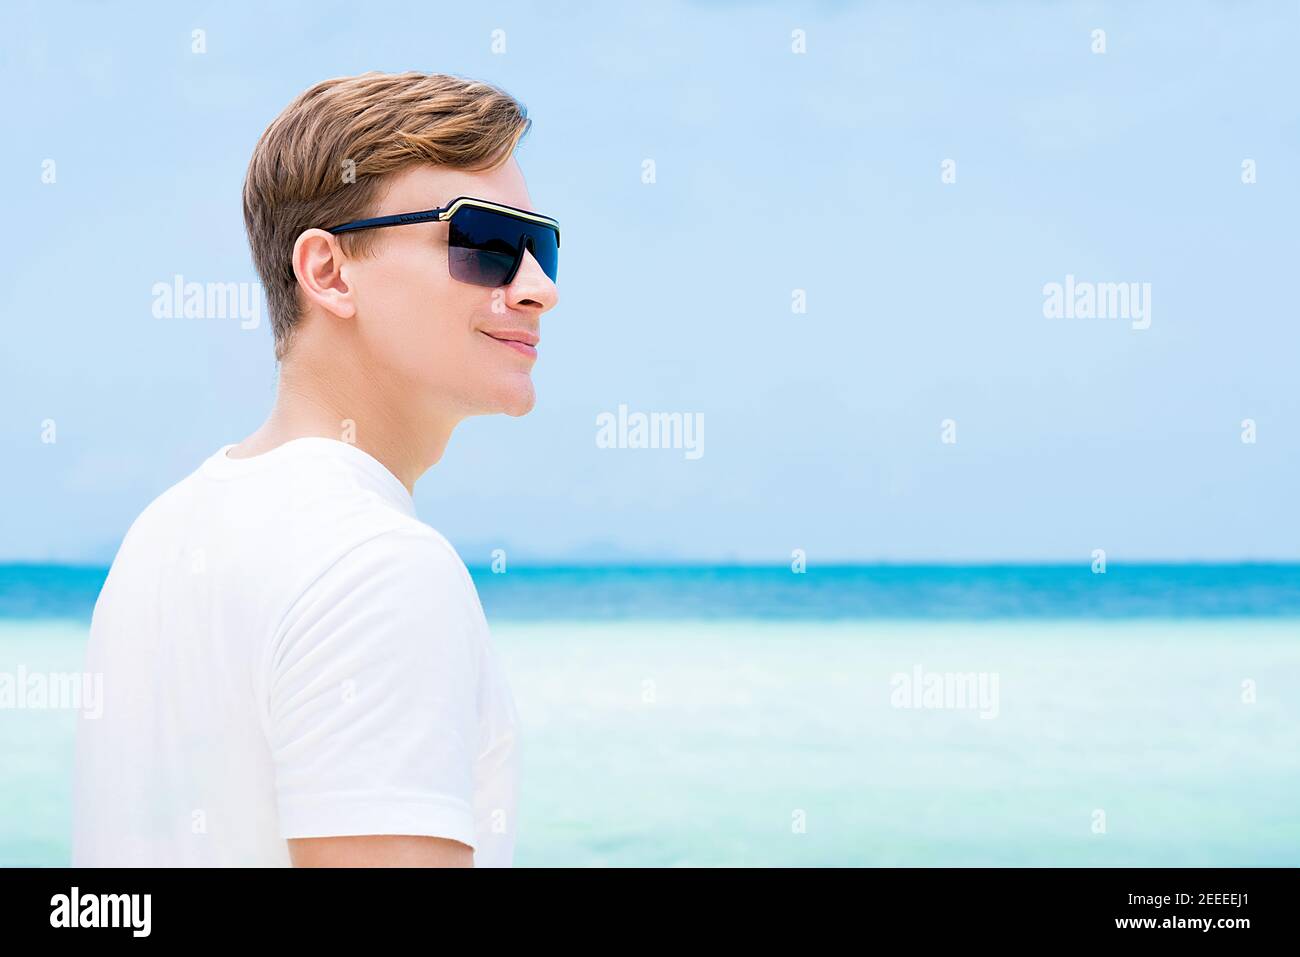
288, 651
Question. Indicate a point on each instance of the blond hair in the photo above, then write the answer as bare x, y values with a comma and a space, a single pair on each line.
323, 161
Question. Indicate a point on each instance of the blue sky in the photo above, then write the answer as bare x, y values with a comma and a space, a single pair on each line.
775, 171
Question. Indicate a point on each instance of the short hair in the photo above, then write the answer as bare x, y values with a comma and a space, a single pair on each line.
324, 160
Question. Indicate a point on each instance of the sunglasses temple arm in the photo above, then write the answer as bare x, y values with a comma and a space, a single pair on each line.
403, 219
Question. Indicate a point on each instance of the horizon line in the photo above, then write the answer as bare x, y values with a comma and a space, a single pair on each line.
647, 563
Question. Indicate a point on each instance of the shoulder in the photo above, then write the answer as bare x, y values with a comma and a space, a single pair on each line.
400, 604
406, 550
407, 570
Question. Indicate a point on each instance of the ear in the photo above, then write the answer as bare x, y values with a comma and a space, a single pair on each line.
318, 265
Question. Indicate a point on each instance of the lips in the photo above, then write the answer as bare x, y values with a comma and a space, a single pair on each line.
521, 340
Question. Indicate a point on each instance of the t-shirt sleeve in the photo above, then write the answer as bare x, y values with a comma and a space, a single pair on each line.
371, 686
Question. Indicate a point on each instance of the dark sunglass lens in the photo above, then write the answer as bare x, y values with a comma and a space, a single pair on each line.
485, 246
480, 252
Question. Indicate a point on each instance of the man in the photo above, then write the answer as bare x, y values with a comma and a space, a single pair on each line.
296, 669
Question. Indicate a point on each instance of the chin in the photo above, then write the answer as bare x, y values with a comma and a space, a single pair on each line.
518, 397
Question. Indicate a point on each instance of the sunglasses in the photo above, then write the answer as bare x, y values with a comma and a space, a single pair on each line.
487, 240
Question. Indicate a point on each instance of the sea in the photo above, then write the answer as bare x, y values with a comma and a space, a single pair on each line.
843, 716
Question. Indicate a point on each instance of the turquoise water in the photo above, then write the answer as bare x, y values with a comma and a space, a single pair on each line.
748, 716
831, 592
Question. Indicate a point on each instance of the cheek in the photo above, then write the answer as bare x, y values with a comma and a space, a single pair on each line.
420, 321
397, 300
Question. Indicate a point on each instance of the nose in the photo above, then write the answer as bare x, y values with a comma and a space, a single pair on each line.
532, 288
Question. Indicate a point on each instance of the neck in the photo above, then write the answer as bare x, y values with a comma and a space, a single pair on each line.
320, 394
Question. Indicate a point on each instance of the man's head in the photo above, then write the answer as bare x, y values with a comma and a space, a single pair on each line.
381, 144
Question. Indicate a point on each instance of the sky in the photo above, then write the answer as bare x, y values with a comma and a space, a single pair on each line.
839, 268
